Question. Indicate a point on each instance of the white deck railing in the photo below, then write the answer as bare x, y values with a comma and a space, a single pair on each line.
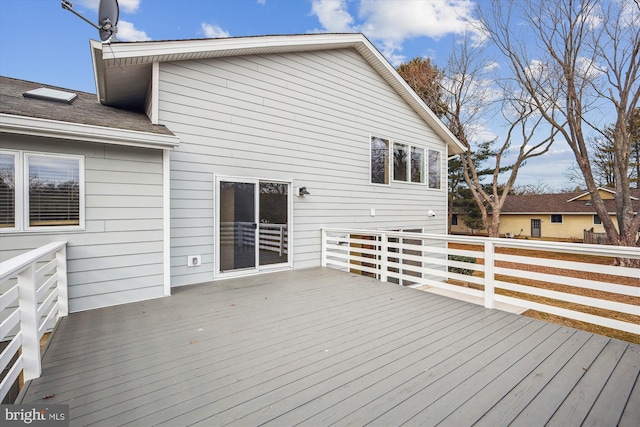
416, 259
272, 237
33, 298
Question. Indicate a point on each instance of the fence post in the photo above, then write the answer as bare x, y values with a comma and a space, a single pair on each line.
489, 274
32, 367
63, 294
384, 257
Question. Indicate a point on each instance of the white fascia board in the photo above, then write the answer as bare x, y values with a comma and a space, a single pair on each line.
172, 50
22, 125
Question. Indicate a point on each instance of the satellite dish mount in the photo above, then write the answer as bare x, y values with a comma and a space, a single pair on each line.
108, 14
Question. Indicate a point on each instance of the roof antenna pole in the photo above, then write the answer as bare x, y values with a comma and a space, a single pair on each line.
67, 5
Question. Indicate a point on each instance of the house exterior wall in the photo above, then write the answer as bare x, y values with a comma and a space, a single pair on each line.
303, 117
571, 228
118, 257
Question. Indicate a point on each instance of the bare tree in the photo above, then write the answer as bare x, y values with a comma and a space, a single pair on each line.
579, 63
469, 94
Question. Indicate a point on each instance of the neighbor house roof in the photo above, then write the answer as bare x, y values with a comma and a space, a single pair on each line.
124, 70
84, 119
562, 203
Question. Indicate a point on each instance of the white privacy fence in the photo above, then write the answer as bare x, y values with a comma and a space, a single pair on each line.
542, 276
33, 298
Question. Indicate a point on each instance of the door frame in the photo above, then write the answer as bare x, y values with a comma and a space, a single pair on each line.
217, 274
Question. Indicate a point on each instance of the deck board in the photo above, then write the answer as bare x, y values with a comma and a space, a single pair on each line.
323, 347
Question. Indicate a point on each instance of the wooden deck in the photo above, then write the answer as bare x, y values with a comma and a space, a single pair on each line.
321, 347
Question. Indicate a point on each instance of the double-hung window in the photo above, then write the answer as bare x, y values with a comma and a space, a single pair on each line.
41, 192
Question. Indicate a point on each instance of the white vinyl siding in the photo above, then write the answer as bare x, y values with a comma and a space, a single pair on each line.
305, 117
118, 256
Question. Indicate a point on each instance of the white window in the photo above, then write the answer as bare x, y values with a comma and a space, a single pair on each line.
435, 169
41, 192
7, 191
379, 160
400, 162
408, 163
417, 164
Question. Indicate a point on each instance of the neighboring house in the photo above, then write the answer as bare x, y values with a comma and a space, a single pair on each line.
562, 216
246, 148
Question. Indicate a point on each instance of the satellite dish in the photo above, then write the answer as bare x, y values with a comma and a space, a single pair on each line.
108, 14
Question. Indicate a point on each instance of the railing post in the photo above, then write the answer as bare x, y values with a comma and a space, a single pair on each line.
489, 274
384, 257
323, 246
29, 322
63, 294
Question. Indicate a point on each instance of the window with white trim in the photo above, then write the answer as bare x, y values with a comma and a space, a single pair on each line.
7, 190
379, 160
434, 169
408, 163
41, 192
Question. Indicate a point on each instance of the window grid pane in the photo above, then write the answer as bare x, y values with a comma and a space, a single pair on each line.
379, 160
417, 164
434, 169
7, 191
54, 191
400, 160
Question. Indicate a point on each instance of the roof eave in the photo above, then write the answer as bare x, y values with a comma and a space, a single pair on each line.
79, 132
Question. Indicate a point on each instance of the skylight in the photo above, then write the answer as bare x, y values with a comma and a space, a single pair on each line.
46, 94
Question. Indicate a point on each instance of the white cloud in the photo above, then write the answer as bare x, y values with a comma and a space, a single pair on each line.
392, 22
126, 6
127, 32
333, 16
129, 6
213, 31
261, 1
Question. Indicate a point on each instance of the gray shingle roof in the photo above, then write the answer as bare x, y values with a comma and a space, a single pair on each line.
85, 109
557, 203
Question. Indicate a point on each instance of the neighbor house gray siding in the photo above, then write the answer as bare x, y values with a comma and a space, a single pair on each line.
118, 257
305, 117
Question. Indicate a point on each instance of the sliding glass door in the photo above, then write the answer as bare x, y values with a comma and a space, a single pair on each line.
253, 225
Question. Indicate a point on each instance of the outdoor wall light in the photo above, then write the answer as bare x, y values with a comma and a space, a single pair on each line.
431, 213
302, 191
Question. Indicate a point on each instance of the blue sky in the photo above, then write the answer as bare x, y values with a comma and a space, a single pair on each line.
42, 42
